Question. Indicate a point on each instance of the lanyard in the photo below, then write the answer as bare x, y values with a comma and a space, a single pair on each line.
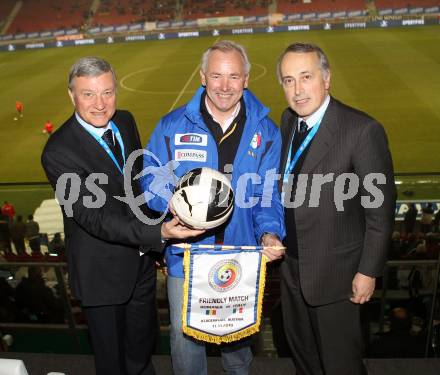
107, 148
290, 165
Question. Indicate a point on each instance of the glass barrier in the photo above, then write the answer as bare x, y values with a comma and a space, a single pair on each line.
409, 314
35, 296
411, 284
38, 311
421, 187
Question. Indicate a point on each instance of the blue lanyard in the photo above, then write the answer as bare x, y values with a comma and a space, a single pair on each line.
290, 165
107, 148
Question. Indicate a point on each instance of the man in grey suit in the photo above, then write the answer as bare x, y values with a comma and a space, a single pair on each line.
339, 210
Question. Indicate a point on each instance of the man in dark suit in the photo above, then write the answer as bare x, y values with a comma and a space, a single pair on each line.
339, 209
115, 282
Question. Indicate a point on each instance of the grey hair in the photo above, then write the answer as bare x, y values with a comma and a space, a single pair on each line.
90, 66
300, 47
226, 46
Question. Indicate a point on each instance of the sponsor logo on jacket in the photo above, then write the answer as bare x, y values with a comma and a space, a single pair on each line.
191, 139
190, 155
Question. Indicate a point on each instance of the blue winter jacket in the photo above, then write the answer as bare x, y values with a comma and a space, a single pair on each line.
182, 136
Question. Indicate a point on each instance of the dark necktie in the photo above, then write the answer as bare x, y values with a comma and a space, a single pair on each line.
114, 146
302, 127
298, 137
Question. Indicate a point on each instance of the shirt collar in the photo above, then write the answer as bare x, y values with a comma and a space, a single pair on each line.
98, 131
227, 123
319, 113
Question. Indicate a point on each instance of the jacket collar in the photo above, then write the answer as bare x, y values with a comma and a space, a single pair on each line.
89, 146
323, 140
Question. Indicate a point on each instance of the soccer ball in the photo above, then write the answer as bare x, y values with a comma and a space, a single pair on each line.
225, 275
203, 198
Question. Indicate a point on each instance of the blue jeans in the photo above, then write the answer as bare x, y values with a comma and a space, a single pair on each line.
188, 355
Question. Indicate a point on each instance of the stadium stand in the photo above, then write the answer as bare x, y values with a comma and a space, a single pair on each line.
44, 15
114, 12
395, 4
5, 8
297, 6
194, 9
6, 14
50, 15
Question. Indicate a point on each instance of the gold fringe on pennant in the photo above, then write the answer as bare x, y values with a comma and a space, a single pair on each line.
214, 339
186, 263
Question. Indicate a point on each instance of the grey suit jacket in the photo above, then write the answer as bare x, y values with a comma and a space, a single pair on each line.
339, 237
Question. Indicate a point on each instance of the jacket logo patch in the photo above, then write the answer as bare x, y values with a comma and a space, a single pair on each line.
256, 141
191, 139
190, 155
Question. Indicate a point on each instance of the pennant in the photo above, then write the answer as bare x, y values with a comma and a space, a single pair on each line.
223, 292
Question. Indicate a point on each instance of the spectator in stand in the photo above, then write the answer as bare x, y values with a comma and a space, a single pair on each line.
396, 247
5, 237
409, 244
436, 222
432, 246
19, 108
36, 300
409, 220
33, 235
48, 127
427, 218
18, 234
399, 342
7, 301
8, 211
420, 253
57, 246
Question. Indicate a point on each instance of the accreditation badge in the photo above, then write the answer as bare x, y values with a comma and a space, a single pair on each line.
223, 294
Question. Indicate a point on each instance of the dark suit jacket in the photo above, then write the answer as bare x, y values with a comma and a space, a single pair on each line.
334, 245
102, 244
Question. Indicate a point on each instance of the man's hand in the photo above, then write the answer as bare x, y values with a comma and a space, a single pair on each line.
363, 288
273, 247
174, 229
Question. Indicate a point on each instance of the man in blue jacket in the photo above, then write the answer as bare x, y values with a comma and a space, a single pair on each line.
223, 127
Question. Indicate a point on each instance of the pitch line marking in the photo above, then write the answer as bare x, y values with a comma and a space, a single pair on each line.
184, 88
261, 75
129, 75
187, 83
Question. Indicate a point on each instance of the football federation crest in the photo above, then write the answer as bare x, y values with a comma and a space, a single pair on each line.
224, 275
256, 141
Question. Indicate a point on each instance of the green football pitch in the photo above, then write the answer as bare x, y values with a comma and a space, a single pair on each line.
392, 74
